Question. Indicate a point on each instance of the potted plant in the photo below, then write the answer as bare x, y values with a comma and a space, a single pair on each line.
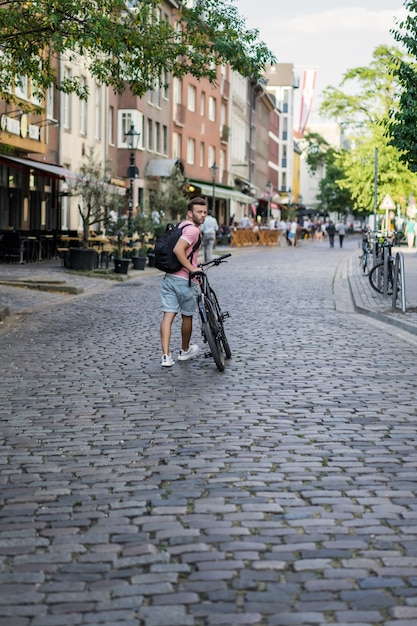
139, 258
117, 229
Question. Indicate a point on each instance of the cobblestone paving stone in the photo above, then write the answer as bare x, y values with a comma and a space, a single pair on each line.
280, 492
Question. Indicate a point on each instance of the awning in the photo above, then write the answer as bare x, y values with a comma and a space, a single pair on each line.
52, 171
226, 193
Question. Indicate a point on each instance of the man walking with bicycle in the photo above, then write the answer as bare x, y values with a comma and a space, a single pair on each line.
176, 293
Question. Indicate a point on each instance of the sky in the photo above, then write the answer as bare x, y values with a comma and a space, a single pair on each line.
330, 36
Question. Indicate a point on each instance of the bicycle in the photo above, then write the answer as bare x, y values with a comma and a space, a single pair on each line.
381, 276
365, 259
211, 316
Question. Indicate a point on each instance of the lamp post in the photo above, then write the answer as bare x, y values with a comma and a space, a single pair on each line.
214, 169
132, 140
269, 187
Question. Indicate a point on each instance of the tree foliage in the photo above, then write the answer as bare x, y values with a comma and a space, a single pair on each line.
123, 42
364, 113
170, 202
95, 197
403, 119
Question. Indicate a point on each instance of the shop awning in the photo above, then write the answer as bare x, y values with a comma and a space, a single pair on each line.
50, 170
226, 193
54, 171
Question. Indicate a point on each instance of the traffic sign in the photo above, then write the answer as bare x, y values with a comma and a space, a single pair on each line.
387, 203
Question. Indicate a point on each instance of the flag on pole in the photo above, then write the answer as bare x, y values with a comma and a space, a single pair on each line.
307, 94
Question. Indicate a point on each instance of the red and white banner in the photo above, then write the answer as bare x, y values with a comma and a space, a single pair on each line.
307, 94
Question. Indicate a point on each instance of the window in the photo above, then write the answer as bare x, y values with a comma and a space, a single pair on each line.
66, 103
212, 109
211, 156
191, 97
166, 84
111, 126
21, 88
126, 122
176, 146
191, 151
83, 109
97, 112
50, 102
150, 134
202, 149
165, 139
203, 104
157, 137
177, 91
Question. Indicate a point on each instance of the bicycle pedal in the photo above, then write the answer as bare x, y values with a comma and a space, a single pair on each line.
225, 315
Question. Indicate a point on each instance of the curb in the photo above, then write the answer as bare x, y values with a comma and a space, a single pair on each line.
4, 312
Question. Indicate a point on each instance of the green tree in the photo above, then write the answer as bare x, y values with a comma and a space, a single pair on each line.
122, 41
403, 122
95, 197
365, 116
170, 202
369, 92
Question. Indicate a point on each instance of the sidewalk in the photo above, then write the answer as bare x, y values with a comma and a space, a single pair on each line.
369, 302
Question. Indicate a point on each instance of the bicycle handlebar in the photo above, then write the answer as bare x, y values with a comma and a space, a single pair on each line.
208, 264
216, 261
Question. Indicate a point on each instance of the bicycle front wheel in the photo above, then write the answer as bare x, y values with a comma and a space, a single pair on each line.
366, 263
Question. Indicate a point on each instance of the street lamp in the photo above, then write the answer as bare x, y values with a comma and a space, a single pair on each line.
214, 169
269, 186
132, 140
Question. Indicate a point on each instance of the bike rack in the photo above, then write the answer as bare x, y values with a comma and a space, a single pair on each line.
399, 266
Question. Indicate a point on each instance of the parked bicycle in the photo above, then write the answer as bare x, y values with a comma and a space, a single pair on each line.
381, 276
365, 259
211, 316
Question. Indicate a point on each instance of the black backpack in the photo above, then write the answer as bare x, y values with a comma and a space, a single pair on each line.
165, 259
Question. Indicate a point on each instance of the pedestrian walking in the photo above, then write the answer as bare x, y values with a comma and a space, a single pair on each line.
410, 232
292, 235
209, 230
341, 232
177, 295
331, 231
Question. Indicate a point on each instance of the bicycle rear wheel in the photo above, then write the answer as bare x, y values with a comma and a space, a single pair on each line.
223, 338
376, 278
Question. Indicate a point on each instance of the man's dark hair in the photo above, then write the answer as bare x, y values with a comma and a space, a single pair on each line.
196, 201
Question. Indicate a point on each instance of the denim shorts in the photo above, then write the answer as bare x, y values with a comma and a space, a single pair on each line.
177, 296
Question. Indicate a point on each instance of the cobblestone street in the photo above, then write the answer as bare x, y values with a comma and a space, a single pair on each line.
281, 492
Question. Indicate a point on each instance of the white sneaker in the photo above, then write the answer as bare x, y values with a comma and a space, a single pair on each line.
167, 360
189, 354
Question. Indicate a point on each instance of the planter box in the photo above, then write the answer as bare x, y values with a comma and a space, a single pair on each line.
139, 262
82, 258
121, 266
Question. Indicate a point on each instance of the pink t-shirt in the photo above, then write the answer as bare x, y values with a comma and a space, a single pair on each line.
191, 234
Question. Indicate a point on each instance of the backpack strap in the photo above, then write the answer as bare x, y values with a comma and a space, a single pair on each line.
194, 248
